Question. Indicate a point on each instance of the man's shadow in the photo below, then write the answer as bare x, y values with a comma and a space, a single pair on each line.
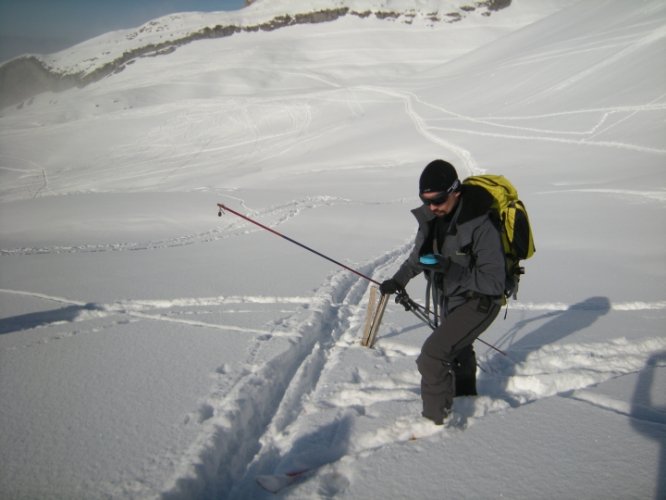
562, 324
43, 318
647, 418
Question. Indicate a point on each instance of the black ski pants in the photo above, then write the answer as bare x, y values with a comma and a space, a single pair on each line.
448, 353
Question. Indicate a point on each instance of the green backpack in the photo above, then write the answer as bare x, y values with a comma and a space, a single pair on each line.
514, 225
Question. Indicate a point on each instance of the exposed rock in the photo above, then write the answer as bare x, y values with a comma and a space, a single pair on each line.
495, 4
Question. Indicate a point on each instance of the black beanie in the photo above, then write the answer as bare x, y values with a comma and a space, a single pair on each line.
438, 176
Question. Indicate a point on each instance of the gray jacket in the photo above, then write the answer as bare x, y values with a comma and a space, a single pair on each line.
472, 253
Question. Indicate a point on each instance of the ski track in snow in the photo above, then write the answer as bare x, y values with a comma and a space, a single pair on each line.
164, 310
428, 128
270, 396
272, 216
123, 311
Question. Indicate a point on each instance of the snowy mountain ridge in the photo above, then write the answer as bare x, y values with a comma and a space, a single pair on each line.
111, 52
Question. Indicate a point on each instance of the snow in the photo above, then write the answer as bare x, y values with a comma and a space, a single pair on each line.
149, 348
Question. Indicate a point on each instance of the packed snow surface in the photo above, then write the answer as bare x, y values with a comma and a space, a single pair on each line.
149, 348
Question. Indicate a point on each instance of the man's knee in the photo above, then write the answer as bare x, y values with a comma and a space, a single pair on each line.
433, 368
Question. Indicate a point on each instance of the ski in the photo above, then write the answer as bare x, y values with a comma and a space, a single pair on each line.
275, 483
374, 317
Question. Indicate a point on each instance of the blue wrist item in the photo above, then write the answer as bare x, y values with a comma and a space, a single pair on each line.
429, 260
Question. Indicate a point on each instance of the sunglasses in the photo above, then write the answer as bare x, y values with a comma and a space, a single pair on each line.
437, 200
441, 198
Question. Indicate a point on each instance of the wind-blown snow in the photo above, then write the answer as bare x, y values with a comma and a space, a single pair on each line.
151, 349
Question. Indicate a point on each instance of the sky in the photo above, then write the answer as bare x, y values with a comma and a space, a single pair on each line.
46, 26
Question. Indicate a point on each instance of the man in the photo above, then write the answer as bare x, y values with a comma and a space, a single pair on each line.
459, 246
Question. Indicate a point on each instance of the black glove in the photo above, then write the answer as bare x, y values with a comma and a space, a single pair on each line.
389, 286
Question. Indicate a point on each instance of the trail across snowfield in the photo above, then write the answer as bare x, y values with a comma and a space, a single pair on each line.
151, 349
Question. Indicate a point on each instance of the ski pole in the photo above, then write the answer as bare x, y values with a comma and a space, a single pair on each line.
223, 207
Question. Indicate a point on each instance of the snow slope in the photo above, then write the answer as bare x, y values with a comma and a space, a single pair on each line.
151, 349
